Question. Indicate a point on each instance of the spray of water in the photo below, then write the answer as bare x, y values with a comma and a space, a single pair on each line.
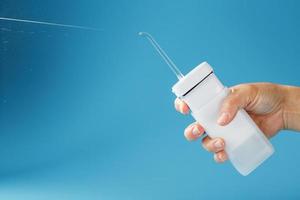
49, 24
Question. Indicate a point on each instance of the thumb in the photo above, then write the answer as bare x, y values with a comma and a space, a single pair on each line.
240, 96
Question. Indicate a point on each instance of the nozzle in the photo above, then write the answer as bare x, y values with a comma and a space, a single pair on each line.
163, 54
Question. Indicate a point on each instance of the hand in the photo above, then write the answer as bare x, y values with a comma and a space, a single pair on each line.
266, 104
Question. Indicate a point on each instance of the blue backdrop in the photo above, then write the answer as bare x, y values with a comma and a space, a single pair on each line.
89, 114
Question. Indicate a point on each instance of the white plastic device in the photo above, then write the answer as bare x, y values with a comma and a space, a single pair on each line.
246, 146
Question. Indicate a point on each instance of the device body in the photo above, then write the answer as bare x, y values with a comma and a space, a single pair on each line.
246, 146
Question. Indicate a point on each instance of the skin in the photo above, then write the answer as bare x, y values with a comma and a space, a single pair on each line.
273, 108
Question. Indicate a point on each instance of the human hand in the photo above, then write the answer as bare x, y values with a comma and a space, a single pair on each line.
264, 102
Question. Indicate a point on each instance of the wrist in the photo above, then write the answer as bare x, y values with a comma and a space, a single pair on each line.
291, 107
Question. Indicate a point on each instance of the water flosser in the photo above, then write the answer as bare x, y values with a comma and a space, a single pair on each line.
246, 146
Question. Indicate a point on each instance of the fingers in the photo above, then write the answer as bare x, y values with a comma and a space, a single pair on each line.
216, 146
240, 97
213, 145
181, 107
220, 157
193, 131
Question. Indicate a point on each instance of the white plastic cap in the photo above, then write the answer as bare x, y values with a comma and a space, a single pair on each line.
192, 79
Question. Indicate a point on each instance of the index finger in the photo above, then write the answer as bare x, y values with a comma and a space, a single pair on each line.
181, 106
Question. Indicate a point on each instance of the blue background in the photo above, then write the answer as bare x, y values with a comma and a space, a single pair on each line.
89, 115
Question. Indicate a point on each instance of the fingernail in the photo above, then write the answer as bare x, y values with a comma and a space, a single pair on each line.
221, 157
196, 131
176, 106
223, 118
185, 135
219, 144
181, 108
